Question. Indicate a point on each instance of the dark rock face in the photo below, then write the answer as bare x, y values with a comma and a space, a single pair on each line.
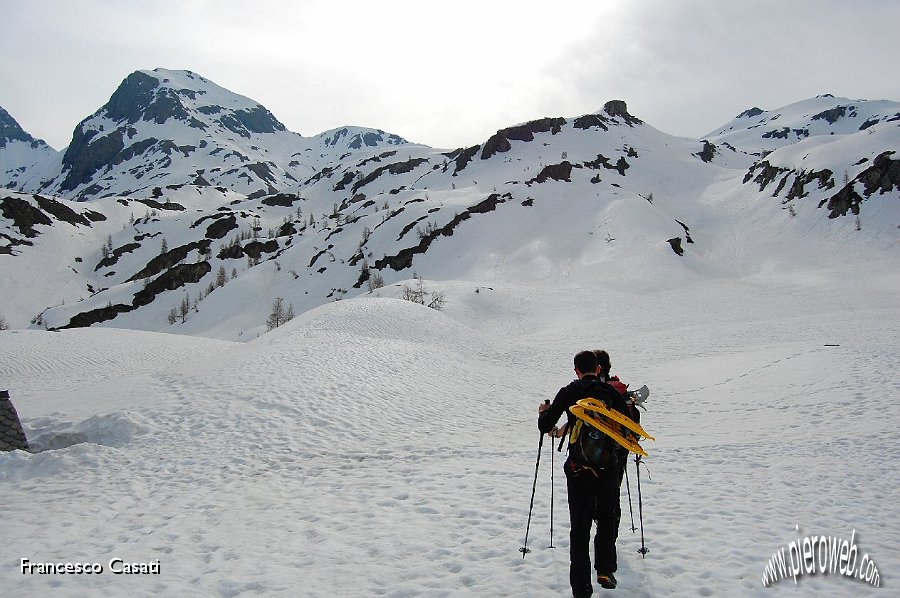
798, 189
833, 115
395, 168
87, 155
869, 122
372, 139
618, 108
95, 316
367, 138
132, 98
777, 133
557, 172
255, 249
708, 152
591, 120
767, 174
61, 211
170, 258
174, 278
24, 216
165, 105
221, 227
883, 176
118, 252
348, 178
602, 161
262, 171
255, 120
12, 436
750, 113
140, 97
169, 205
676, 245
403, 259
499, 142
462, 157
287, 230
687, 231
785, 132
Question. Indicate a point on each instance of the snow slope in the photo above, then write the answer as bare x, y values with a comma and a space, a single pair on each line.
374, 447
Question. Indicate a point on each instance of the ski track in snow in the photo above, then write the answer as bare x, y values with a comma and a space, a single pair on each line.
377, 448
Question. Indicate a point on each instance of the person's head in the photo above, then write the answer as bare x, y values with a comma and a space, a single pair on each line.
585, 363
603, 361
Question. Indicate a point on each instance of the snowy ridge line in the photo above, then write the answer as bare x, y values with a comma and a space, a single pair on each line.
658, 216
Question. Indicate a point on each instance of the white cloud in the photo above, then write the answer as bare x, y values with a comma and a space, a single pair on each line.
687, 66
451, 74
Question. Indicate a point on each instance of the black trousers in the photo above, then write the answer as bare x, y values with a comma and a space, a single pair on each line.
592, 498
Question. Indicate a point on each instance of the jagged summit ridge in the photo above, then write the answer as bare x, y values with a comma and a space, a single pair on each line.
10, 131
175, 127
162, 94
19, 151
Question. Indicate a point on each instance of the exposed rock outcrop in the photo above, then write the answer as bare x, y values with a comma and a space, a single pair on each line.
499, 142
618, 108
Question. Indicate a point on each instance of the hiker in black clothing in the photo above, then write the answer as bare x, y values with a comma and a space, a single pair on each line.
592, 494
605, 375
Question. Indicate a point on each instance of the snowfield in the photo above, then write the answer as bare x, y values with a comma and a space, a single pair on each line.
374, 447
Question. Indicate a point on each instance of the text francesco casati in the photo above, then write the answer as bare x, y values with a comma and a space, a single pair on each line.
116, 566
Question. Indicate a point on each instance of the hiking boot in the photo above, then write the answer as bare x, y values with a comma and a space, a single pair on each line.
607, 580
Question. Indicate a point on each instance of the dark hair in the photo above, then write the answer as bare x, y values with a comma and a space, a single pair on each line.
603, 360
586, 362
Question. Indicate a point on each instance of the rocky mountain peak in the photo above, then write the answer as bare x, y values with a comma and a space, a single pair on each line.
10, 130
159, 95
618, 108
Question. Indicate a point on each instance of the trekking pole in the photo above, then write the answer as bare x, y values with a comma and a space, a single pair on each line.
628, 487
643, 550
552, 467
524, 550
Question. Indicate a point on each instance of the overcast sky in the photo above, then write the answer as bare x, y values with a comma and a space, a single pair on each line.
449, 74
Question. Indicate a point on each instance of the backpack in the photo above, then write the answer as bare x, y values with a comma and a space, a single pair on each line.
590, 447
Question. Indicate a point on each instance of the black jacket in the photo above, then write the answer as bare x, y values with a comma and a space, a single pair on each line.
588, 386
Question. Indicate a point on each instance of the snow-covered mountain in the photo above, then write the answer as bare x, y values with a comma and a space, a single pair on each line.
20, 153
825, 153
757, 132
535, 202
165, 127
